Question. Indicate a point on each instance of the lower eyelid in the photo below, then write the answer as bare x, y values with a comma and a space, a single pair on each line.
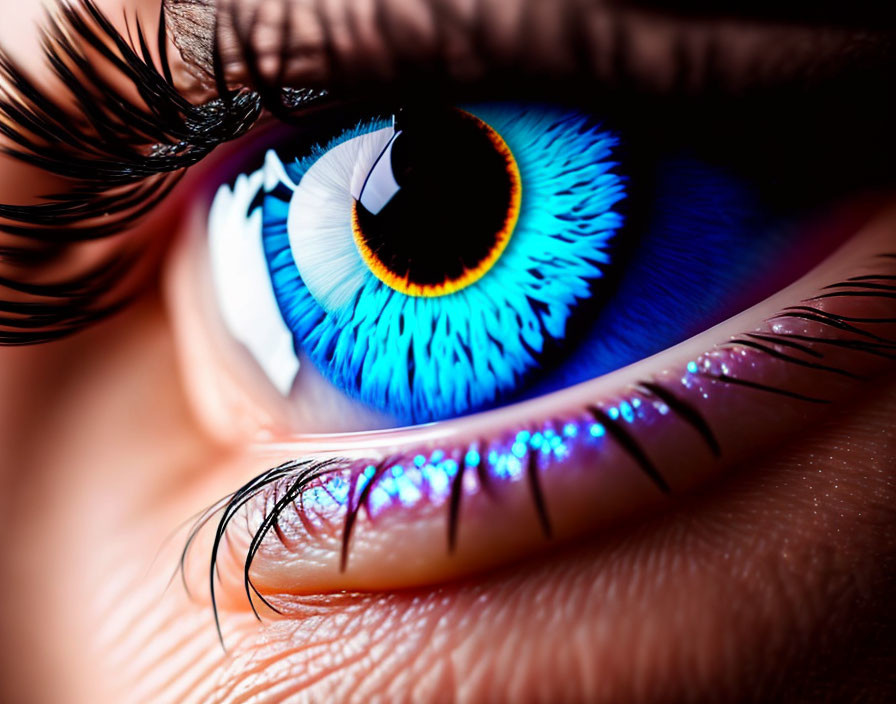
666, 423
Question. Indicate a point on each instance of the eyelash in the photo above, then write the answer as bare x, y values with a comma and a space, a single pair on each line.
296, 477
122, 157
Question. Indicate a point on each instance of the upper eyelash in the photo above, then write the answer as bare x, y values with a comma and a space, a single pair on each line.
300, 474
121, 155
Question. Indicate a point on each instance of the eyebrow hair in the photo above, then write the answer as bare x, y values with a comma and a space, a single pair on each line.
385, 42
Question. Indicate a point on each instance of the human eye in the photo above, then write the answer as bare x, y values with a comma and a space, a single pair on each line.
509, 350
561, 314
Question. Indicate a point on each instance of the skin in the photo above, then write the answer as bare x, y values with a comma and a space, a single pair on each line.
774, 583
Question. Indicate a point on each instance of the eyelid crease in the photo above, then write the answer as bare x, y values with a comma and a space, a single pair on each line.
380, 42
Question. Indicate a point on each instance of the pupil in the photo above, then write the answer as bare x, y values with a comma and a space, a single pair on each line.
451, 217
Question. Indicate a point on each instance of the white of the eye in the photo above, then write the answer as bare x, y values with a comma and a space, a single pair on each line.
275, 173
242, 283
320, 216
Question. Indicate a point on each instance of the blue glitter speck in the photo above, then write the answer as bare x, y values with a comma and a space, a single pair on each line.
338, 489
514, 467
438, 480
408, 494
597, 430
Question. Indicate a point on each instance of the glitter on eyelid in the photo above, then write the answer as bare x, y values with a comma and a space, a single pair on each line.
337, 488
415, 479
438, 481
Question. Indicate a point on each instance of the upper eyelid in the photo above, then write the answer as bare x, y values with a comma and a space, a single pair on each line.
384, 42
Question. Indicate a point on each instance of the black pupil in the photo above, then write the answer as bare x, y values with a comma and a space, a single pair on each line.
453, 203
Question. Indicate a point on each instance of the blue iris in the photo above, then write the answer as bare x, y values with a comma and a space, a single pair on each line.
708, 250
425, 358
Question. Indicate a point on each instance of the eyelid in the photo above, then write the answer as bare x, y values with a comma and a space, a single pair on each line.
619, 475
382, 43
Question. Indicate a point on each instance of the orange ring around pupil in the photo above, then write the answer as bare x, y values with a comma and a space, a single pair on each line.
404, 284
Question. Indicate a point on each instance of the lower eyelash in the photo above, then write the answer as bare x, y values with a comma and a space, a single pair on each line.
686, 412
631, 446
299, 473
298, 477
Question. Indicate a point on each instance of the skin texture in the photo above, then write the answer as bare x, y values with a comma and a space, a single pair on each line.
772, 584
